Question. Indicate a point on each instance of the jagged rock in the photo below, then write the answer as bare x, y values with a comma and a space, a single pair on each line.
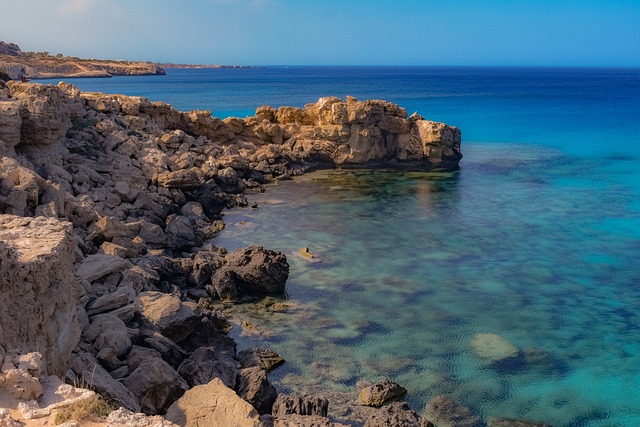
180, 232
156, 385
17, 380
181, 179
107, 330
228, 181
295, 420
223, 285
493, 348
167, 314
90, 374
170, 351
380, 393
97, 266
212, 404
258, 269
510, 422
254, 387
207, 363
204, 265
206, 334
10, 123
108, 357
38, 292
138, 355
124, 418
445, 411
262, 358
109, 302
302, 405
397, 414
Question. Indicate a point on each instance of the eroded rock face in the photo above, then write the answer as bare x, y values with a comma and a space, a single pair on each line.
38, 292
397, 414
286, 404
380, 393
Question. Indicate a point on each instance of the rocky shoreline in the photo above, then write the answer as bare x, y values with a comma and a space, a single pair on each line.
109, 208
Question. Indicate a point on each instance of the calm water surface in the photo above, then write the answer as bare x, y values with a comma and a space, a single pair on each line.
536, 239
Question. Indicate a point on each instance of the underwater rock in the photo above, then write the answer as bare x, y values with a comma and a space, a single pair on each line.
493, 348
380, 393
260, 357
397, 414
444, 411
510, 422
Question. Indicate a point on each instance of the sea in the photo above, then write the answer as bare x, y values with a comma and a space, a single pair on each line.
533, 241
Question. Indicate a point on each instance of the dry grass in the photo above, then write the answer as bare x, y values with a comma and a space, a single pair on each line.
93, 409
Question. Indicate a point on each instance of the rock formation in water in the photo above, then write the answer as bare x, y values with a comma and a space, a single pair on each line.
107, 207
15, 64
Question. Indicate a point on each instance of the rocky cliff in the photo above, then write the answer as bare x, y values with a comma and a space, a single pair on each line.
108, 205
16, 64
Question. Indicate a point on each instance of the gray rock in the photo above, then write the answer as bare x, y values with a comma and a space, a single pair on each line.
156, 385
91, 375
138, 355
170, 351
254, 387
207, 363
109, 302
223, 285
258, 269
99, 265
204, 265
260, 357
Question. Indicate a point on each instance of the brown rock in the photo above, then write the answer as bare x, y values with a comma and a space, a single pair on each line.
302, 405
380, 393
253, 386
167, 314
397, 414
258, 269
207, 363
261, 357
212, 404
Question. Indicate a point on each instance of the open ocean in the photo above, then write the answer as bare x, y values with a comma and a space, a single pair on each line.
536, 238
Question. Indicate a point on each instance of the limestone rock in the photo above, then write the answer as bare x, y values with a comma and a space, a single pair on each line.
181, 179
301, 405
380, 393
207, 363
6, 420
493, 348
124, 418
89, 372
212, 404
156, 385
397, 414
260, 357
45, 114
167, 314
10, 123
445, 411
38, 292
253, 386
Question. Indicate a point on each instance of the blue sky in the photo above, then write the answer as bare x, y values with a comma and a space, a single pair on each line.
333, 32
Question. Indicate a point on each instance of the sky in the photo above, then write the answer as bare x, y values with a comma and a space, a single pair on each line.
332, 32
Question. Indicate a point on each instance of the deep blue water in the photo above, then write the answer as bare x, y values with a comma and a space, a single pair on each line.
536, 239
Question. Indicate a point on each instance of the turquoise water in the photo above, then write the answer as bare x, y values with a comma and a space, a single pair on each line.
536, 239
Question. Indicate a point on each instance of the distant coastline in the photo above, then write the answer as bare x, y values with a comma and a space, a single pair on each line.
203, 66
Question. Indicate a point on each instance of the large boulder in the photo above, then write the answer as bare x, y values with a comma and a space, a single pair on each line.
259, 270
380, 393
254, 387
97, 266
207, 363
156, 385
167, 314
90, 374
39, 295
212, 404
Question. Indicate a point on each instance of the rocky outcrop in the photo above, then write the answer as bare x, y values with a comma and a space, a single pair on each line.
38, 292
302, 405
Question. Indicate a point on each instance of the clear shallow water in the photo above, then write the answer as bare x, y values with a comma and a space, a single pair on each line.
536, 238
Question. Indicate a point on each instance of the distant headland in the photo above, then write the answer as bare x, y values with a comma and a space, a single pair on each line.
18, 65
